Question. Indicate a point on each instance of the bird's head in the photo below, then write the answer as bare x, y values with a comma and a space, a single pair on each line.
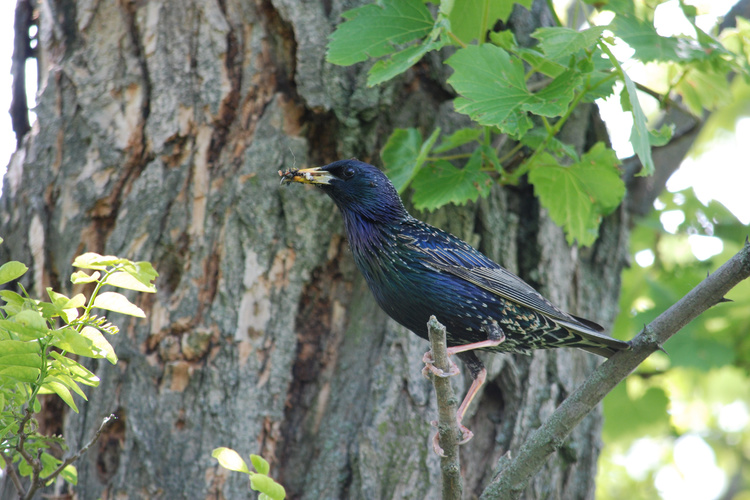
358, 188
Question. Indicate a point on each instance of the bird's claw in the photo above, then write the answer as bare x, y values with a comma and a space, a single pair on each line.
429, 367
466, 436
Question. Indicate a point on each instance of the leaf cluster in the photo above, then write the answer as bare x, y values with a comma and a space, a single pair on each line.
40, 344
259, 479
686, 390
520, 97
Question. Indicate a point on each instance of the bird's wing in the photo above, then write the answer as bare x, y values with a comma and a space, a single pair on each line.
505, 284
449, 254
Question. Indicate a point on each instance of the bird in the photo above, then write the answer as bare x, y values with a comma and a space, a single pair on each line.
415, 270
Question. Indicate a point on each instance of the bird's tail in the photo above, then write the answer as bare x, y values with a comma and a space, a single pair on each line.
592, 337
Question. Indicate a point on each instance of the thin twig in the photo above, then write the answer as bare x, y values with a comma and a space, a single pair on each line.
448, 431
512, 477
83, 450
39, 482
11, 471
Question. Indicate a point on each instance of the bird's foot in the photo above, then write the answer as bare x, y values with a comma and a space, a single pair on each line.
466, 436
429, 367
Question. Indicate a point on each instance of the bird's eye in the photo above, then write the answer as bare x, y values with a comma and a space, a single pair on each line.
349, 172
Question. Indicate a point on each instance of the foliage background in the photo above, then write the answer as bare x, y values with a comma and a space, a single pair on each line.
678, 427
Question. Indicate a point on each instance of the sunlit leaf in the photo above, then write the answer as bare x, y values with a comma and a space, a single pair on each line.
81, 277
93, 260
260, 464
113, 301
230, 459
11, 270
70, 474
639, 135
78, 372
265, 484
126, 280
579, 195
62, 391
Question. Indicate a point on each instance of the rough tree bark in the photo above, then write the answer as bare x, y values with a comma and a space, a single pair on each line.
161, 125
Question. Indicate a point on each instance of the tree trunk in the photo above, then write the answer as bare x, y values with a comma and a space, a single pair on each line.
161, 127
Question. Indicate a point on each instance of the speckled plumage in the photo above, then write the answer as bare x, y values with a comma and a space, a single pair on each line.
415, 270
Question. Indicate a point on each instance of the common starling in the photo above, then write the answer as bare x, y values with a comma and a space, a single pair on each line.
415, 270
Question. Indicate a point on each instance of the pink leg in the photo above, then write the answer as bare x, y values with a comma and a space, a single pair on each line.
466, 434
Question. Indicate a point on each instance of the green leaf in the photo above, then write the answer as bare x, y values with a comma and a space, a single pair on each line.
230, 459
493, 90
101, 345
577, 196
32, 360
142, 271
639, 135
8, 347
70, 474
12, 270
122, 279
662, 136
441, 183
91, 260
57, 376
260, 464
458, 138
25, 374
14, 302
404, 154
704, 89
540, 63
27, 325
650, 46
62, 302
562, 42
468, 17
80, 277
59, 389
89, 342
265, 484
78, 372
374, 30
385, 69
20, 361
49, 463
116, 302
536, 136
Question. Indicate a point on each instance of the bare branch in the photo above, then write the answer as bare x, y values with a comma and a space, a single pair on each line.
513, 476
83, 450
448, 431
39, 482
11, 471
